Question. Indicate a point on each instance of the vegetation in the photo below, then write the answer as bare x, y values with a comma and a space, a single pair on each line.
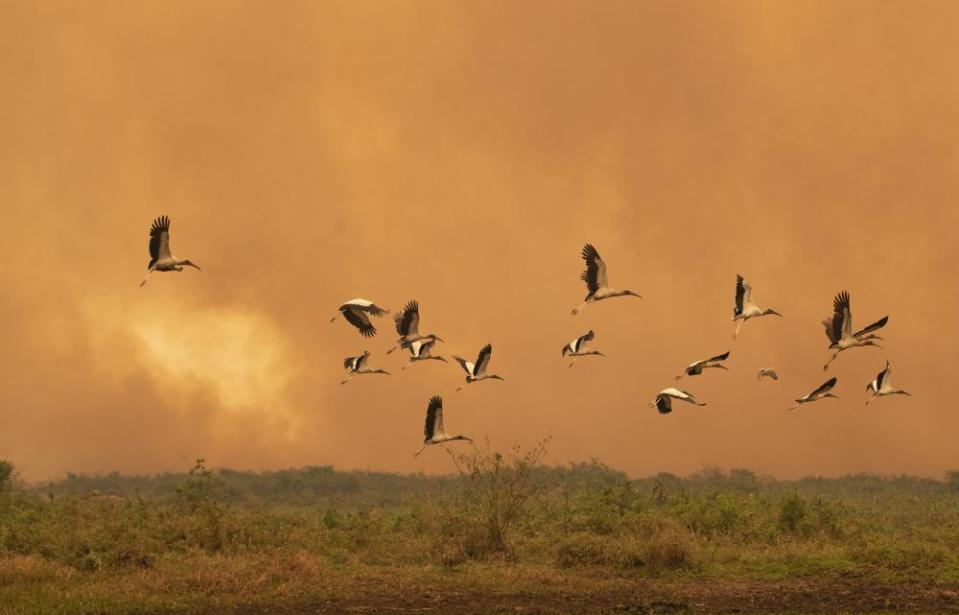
210, 540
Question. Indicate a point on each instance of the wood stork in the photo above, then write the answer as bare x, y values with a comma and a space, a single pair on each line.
160, 257
744, 309
476, 372
407, 325
839, 329
820, 393
595, 278
664, 399
579, 347
358, 365
420, 351
882, 385
696, 369
433, 430
767, 372
357, 312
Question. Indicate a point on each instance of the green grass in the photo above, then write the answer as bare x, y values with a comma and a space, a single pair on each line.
208, 541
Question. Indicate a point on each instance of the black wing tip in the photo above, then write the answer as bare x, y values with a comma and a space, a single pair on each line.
160, 223
412, 306
589, 251
436, 401
486, 348
841, 300
831, 382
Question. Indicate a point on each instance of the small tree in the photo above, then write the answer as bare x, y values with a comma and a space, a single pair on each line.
499, 488
6, 475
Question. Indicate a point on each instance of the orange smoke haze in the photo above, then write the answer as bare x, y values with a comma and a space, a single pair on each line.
461, 153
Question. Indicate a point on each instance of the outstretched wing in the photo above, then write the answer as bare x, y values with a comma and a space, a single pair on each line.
348, 362
883, 376
842, 315
361, 321
434, 418
827, 324
483, 360
466, 365
824, 387
740, 295
364, 305
361, 360
879, 324
159, 240
595, 273
664, 404
408, 323
719, 357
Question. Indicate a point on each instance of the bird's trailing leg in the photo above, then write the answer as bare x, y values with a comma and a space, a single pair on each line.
417, 453
146, 279
346, 380
579, 308
825, 367
739, 324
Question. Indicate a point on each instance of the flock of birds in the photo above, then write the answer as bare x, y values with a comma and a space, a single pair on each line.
358, 313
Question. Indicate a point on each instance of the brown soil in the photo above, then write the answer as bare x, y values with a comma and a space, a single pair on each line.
650, 597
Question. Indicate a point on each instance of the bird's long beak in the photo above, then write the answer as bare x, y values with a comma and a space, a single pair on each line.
192, 264
775, 313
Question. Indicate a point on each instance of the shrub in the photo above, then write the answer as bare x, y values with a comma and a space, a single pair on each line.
792, 513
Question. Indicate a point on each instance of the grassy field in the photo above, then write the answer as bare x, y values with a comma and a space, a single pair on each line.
502, 533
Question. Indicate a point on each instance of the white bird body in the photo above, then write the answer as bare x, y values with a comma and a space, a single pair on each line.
767, 372
358, 365
840, 333
822, 392
476, 372
744, 308
357, 312
882, 385
407, 325
579, 347
420, 351
161, 259
433, 431
597, 284
663, 400
696, 368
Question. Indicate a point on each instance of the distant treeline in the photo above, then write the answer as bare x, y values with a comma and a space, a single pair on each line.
324, 484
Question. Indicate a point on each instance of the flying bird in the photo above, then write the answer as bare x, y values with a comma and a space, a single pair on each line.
839, 329
820, 393
767, 372
433, 430
744, 309
595, 278
357, 312
160, 257
476, 372
420, 351
882, 385
579, 347
358, 365
407, 325
696, 369
664, 399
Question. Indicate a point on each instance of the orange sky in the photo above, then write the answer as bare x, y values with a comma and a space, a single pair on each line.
461, 153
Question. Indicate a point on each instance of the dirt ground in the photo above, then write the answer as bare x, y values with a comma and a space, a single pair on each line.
652, 597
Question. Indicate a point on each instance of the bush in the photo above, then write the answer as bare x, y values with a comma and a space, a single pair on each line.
792, 513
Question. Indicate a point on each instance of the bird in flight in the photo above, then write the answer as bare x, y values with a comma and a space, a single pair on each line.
358, 365
357, 312
595, 277
579, 347
433, 430
407, 325
161, 259
839, 329
664, 399
823, 391
696, 369
882, 385
420, 351
744, 308
767, 372
477, 371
